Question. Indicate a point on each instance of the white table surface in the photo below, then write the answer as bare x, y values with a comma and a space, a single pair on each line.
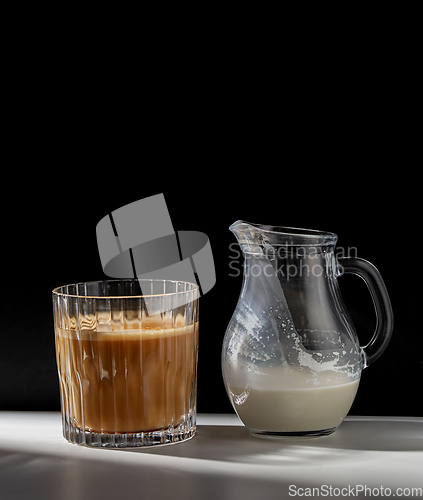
222, 461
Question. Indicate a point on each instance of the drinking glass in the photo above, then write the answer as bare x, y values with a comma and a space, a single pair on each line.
126, 355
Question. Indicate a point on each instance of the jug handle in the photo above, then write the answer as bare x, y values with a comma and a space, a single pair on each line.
381, 302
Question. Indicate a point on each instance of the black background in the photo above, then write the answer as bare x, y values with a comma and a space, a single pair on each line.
49, 239
315, 134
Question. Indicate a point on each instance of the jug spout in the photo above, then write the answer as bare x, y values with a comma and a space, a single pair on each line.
238, 227
251, 237
246, 233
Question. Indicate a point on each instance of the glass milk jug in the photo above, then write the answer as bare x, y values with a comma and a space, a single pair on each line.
291, 359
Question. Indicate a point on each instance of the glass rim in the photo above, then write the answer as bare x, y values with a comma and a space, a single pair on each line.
56, 291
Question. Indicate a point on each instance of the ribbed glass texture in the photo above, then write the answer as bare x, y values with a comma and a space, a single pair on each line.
127, 361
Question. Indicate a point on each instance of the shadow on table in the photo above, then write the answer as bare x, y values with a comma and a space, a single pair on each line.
228, 463
236, 444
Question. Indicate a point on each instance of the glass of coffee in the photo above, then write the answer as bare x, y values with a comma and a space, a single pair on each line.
126, 354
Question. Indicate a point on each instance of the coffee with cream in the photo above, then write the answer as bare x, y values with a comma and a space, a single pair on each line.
131, 380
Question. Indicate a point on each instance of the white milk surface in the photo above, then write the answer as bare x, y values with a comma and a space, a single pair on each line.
293, 401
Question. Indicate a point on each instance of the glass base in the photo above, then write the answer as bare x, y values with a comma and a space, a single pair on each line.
182, 432
292, 435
